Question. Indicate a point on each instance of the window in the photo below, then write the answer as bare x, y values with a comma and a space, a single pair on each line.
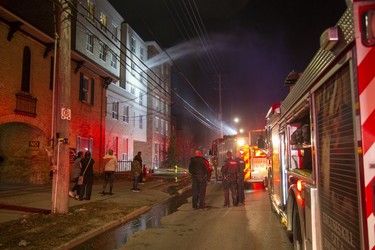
103, 22
125, 153
132, 66
25, 84
157, 101
90, 42
132, 90
115, 145
114, 32
91, 10
141, 51
156, 124
140, 98
103, 52
115, 106
113, 61
86, 90
143, 77
84, 144
132, 44
141, 122
299, 132
126, 114
162, 127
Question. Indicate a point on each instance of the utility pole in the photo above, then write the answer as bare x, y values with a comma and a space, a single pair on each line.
61, 171
220, 109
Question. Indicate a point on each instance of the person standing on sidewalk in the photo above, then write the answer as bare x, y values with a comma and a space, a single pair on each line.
199, 168
230, 177
136, 170
240, 182
76, 171
87, 171
139, 158
109, 171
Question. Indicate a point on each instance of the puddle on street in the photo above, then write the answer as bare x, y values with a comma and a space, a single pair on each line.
117, 237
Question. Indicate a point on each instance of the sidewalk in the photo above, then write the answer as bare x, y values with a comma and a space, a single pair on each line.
16, 201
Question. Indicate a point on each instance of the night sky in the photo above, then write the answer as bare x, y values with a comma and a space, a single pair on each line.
252, 45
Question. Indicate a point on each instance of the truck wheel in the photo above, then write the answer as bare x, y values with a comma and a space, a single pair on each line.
297, 235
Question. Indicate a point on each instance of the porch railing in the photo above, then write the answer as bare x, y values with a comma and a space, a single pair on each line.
26, 104
123, 166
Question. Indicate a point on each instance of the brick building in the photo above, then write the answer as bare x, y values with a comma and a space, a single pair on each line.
27, 134
25, 97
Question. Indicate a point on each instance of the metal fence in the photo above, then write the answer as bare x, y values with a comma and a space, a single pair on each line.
123, 166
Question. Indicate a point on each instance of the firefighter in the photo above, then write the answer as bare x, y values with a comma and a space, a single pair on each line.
200, 171
240, 184
230, 171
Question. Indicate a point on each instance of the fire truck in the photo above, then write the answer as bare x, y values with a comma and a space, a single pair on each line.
257, 170
219, 150
321, 140
251, 148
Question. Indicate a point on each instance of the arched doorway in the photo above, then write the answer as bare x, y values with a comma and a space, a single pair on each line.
23, 152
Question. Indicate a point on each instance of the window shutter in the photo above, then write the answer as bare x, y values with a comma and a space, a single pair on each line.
81, 87
92, 91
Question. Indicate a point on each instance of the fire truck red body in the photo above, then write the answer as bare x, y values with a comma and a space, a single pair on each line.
321, 141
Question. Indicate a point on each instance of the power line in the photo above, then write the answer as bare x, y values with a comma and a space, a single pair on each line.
119, 58
115, 45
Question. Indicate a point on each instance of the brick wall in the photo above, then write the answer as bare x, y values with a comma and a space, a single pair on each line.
30, 165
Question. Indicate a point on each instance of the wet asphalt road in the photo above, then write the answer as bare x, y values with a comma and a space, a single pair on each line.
253, 226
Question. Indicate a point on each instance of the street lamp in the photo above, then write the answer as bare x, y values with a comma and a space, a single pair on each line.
236, 120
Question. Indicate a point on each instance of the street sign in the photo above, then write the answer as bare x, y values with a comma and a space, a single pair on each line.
34, 145
66, 114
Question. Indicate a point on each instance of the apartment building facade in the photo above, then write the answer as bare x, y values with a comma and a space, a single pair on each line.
98, 38
133, 85
159, 101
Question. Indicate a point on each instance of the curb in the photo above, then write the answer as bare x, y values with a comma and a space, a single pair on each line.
91, 234
95, 232
184, 189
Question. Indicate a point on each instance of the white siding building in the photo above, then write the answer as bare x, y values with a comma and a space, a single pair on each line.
98, 38
133, 89
98, 34
159, 100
